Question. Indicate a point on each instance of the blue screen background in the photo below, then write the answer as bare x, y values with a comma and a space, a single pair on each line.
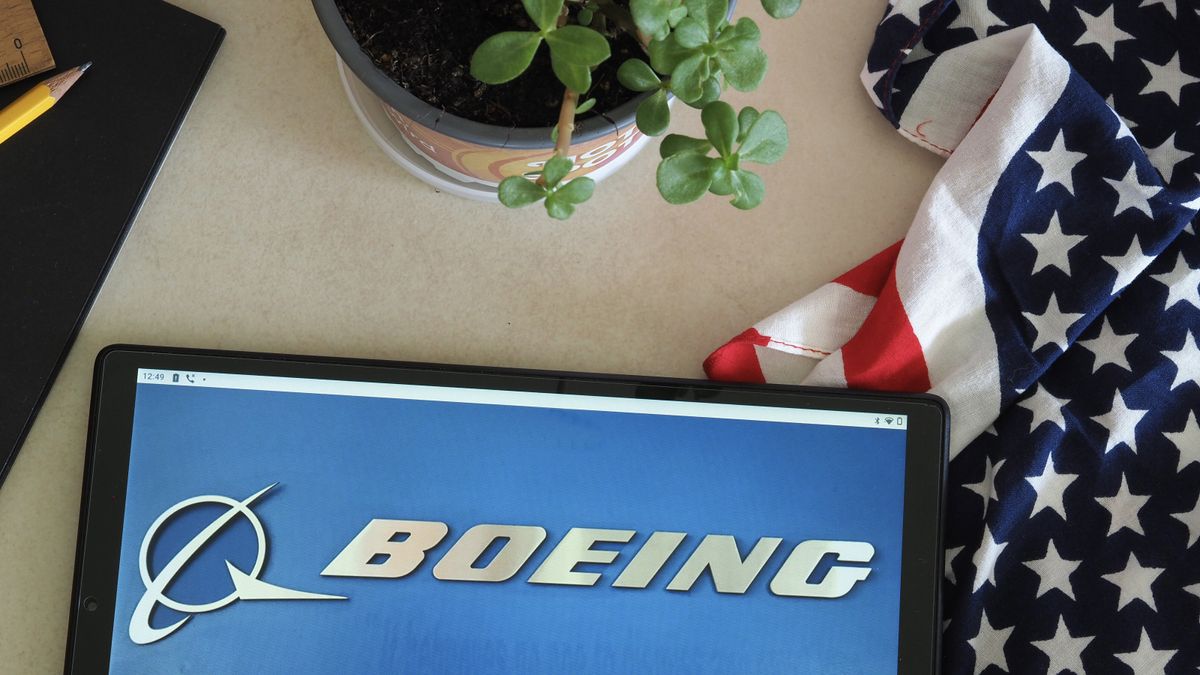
340, 461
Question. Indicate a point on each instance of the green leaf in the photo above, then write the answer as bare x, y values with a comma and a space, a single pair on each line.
556, 169
559, 209
781, 9
583, 107
685, 177
577, 191
666, 55
504, 56
688, 77
748, 188
544, 12
561, 202
720, 126
722, 183
767, 140
711, 13
744, 69
585, 16
575, 77
651, 16
746, 119
578, 45
674, 144
653, 114
676, 16
690, 33
516, 191
744, 33
637, 75
709, 92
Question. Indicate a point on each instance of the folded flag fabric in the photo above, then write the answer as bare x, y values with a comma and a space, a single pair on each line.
1049, 290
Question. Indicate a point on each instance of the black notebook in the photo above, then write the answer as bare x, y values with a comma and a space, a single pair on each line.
72, 181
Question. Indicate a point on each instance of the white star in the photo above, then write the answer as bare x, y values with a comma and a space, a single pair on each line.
1129, 265
981, 488
1167, 156
1131, 193
1182, 282
1102, 30
977, 17
1057, 164
1186, 360
1052, 325
995, 474
1187, 440
1134, 583
1190, 520
1048, 489
1065, 650
1045, 408
1054, 572
1168, 5
986, 487
951, 554
1046, 4
1124, 126
1146, 659
1109, 347
1124, 508
916, 53
985, 559
870, 80
1193, 205
1167, 78
909, 9
988, 644
1194, 589
1121, 422
1052, 246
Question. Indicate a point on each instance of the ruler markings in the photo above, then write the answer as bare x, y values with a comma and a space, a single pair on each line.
23, 47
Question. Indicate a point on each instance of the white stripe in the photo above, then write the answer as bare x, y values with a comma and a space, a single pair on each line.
958, 85
818, 323
937, 272
829, 373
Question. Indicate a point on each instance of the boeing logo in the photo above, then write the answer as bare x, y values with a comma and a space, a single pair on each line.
392, 549
246, 586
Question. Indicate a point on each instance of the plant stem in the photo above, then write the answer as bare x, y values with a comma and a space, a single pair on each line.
566, 122
566, 127
624, 21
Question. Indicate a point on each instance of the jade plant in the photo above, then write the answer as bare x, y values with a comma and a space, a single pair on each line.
693, 51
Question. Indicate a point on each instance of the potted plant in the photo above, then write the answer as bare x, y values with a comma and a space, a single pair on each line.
574, 86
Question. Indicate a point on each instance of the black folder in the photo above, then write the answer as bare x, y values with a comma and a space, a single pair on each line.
71, 183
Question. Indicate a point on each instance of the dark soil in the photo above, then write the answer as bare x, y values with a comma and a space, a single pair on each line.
426, 47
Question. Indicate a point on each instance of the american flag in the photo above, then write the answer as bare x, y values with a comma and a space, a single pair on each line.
1049, 290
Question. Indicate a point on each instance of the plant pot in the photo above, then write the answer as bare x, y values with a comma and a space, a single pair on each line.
470, 152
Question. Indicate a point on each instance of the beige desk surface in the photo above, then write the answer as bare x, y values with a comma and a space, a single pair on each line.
277, 225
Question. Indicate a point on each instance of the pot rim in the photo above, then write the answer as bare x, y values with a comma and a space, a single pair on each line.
403, 101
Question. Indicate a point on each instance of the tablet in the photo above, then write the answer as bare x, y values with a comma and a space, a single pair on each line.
265, 513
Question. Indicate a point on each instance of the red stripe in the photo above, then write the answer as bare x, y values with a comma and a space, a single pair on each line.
885, 353
869, 277
736, 360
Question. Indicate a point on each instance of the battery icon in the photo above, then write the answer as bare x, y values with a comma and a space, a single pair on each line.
175, 377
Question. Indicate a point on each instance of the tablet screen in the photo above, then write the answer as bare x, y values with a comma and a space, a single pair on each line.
307, 525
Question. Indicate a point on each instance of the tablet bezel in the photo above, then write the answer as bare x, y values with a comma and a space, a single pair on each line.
110, 429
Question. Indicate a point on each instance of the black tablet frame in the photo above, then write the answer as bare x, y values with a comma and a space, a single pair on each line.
110, 429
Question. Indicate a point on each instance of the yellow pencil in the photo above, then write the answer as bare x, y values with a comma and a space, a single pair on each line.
36, 101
